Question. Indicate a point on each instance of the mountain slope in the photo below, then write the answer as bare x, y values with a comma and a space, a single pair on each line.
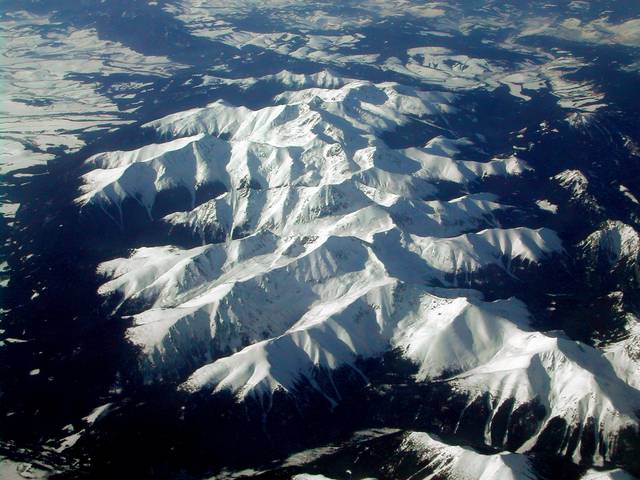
320, 247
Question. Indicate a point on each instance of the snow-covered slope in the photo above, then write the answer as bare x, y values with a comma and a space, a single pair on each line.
616, 474
478, 346
365, 323
615, 246
572, 381
447, 461
291, 180
576, 185
624, 355
321, 246
315, 138
218, 294
423, 456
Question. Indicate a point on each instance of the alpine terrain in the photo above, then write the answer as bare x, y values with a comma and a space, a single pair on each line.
320, 240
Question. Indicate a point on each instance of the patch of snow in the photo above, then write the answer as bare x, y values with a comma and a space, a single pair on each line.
97, 413
616, 474
547, 206
12, 470
627, 193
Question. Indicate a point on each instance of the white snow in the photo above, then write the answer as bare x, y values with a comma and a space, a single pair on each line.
328, 250
616, 474
329, 254
627, 193
308, 476
573, 180
546, 205
12, 470
43, 106
598, 31
36, 65
448, 461
97, 413
615, 241
444, 67
295, 149
577, 185
573, 381
320, 203
625, 354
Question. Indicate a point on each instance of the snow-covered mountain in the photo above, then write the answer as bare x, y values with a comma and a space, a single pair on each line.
614, 247
389, 453
451, 461
420, 455
321, 247
320, 240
